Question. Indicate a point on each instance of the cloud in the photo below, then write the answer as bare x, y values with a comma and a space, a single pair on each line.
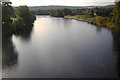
61, 2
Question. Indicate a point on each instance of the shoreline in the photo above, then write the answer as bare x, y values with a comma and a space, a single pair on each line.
93, 21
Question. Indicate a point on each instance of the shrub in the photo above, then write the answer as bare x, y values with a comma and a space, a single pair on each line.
110, 25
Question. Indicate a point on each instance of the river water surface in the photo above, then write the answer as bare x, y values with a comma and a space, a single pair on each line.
61, 48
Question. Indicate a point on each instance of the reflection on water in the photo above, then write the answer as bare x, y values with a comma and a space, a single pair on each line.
62, 48
25, 34
9, 55
116, 47
98, 28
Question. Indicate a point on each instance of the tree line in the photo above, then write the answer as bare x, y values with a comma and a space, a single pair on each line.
16, 20
100, 16
60, 12
21, 18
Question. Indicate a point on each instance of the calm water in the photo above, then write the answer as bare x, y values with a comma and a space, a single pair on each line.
61, 48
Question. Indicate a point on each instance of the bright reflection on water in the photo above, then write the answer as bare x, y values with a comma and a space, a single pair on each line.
63, 48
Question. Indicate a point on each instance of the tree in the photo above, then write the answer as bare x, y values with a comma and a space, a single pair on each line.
67, 11
7, 12
57, 13
117, 13
116, 16
91, 12
24, 13
61, 13
19, 25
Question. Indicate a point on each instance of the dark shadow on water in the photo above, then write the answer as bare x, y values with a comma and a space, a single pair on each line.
98, 28
25, 34
9, 55
116, 48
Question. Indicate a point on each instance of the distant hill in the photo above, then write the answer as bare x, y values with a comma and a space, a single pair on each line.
110, 6
35, 8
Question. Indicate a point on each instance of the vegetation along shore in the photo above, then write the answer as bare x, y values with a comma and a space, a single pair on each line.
102, 17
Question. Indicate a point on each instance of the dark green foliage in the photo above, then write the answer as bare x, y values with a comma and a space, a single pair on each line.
41, 12
78, 11
7, 12
104, 12
7, 29
116, 17
67, 11
24, 13
60, 13
117, 13
100, 20
18, 24
12, 23
52, 13
91, 13
57, 13
9, 55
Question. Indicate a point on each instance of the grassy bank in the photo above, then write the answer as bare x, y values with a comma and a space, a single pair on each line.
98, 20
76, 18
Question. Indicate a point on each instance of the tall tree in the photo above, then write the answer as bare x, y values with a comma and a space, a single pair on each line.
7, 12
117, 14
24, 13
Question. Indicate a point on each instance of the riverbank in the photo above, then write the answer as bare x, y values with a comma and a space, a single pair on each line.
98, 20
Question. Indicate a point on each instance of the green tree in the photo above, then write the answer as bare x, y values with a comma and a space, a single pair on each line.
67, 11
57, 13
60, 13
91, 13
24, 13
117, 13
100, 21
116, 16
7, 12
19, 25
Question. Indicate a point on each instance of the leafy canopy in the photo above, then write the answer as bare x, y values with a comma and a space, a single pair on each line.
24, 13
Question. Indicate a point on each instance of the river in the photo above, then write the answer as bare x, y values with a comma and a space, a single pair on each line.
61, 48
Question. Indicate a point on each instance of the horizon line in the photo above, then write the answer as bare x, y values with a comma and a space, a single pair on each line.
67, 5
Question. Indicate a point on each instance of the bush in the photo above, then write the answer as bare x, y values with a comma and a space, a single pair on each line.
110, 25
102, 21
91, 20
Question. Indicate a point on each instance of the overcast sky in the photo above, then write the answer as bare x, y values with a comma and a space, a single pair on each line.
61, 2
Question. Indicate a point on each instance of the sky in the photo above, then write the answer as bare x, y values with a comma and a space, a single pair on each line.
62, 2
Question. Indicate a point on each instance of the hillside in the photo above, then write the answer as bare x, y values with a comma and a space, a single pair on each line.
35, 8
